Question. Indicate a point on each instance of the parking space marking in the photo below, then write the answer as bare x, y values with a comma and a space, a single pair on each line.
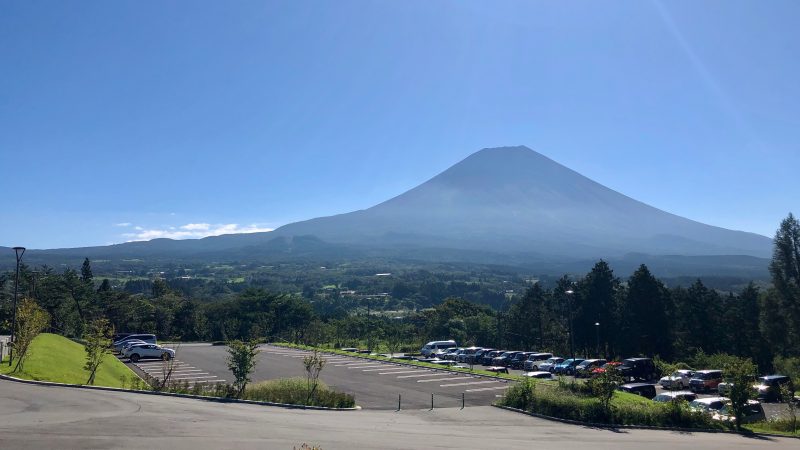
384, 368
424, 375
364, 366
443, 379
404, 371
468, 383
486, 389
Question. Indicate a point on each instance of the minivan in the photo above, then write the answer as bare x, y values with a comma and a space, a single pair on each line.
434, 347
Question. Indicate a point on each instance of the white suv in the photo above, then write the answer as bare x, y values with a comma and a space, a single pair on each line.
141, 351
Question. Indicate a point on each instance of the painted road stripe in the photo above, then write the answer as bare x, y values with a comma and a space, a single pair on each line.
487, 389
444, 379
404, 371
399, 368
194, 378
468, 383
364, 366
424, 375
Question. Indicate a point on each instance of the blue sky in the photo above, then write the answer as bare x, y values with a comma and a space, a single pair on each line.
127, 120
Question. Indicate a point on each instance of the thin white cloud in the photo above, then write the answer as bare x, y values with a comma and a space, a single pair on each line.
193, 231
123, 224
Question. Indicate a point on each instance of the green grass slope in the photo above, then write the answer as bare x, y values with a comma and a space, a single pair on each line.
56, 358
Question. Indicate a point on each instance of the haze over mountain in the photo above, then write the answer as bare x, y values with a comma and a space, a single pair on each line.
498, 204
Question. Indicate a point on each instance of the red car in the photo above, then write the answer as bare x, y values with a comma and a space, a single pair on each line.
600, 370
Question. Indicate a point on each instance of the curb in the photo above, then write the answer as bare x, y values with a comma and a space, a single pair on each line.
640, 427
398, 363
172, 394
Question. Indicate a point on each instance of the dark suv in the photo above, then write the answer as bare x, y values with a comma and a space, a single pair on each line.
768, 388
641, 369
519, 360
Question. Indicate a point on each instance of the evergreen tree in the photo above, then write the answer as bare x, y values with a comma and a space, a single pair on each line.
597, 300
645, 328
86, 272
785, 270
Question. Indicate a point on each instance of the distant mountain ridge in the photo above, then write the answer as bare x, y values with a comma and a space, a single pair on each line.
510, 202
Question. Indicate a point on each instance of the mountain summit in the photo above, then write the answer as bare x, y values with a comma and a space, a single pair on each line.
513, 199
506, 205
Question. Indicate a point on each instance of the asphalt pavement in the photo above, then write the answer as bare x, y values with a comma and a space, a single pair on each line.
43, 417
375, 384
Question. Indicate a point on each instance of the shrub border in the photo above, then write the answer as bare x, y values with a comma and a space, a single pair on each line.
640, 427
172, 394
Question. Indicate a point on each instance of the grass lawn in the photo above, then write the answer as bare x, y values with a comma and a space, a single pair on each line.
55, 358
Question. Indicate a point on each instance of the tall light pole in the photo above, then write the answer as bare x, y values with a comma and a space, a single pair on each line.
18, 251
569, 293
597, 330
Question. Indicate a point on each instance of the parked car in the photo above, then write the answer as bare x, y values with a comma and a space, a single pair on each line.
641, 369
434, 347
643, 389
147, 351
468, 354
449, 353
584, 369
677, 380
487, 359
131, 343
149, 338
754, 412
705, 380
567, 367
601, 370
457, 355
505, 359
768, 388
672, 396
539, 374
535, 360
550, 364
477, 358
518, 362
724, 388
709, 404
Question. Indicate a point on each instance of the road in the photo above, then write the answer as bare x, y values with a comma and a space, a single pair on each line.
36, 417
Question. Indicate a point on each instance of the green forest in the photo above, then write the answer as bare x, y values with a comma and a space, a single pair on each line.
599, 313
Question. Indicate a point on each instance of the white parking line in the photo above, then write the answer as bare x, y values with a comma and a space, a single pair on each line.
468, 383
443, 379
194, 378
384, 368
424, 375
363, 366
486, 389
396, 372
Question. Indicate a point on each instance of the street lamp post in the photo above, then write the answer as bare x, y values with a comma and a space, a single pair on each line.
571, 333
18, 251
597, 331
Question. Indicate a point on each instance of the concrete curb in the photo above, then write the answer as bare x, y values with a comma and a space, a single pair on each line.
640, 427
398, 363
172, 394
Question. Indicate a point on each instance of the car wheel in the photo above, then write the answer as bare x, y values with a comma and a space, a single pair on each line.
166, 357
135, 357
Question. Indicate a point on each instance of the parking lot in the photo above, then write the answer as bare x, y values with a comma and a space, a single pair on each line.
375, 384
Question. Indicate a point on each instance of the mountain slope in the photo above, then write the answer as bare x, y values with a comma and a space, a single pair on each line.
514, 199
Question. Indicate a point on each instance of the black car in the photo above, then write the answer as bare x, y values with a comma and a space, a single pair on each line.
478, 357
643, 389
504, 360
638, 369
768, 388
487, 358
519, 360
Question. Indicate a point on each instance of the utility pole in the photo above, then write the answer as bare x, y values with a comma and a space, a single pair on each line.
569, 293
18, 251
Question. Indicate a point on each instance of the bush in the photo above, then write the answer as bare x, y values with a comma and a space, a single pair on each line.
563, 402
295, 391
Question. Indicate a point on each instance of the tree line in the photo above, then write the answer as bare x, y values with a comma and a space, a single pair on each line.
596, 314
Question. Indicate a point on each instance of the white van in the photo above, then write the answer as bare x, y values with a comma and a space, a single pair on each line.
434, 347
